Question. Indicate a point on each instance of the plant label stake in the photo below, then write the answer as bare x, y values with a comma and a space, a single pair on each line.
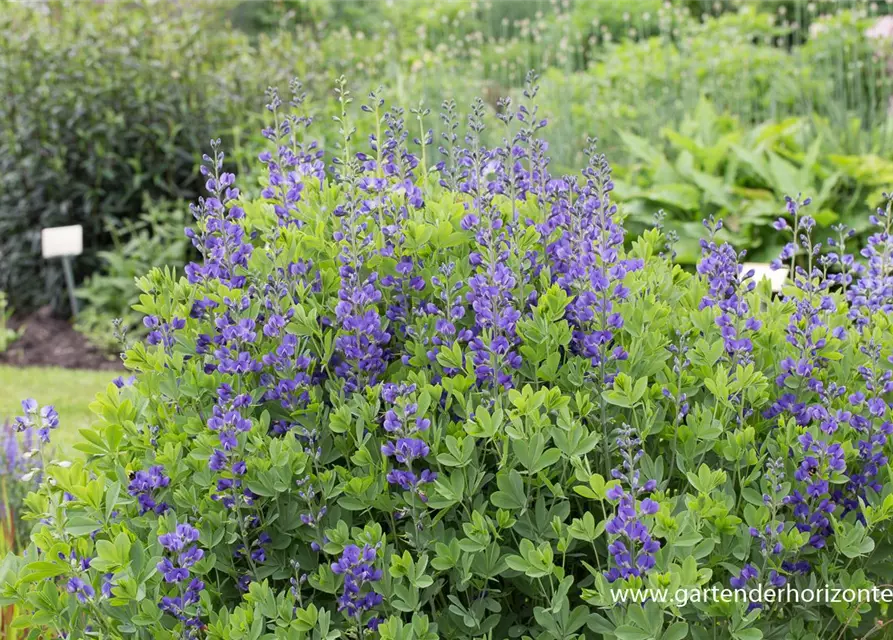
65, 243
764, 271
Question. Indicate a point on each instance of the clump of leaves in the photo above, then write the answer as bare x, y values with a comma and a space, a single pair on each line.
110, 294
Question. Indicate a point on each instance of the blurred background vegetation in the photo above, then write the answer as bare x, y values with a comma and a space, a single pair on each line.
704, 108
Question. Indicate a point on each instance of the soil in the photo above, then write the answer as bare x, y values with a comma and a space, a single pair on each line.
49, 341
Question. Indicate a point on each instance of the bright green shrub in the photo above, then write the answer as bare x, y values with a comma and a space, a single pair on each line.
418, 400
653, 84
753, 65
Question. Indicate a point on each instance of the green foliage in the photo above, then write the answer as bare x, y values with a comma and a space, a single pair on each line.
154, 240
713, 167
7, 333
752, 64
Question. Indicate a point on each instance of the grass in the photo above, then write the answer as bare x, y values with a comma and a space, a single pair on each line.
70, 390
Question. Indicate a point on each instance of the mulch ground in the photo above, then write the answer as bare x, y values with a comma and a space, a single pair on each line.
49, 341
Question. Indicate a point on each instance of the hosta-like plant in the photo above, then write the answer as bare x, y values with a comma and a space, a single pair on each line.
435, 395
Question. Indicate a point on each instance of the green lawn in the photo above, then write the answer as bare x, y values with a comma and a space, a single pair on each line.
71, 391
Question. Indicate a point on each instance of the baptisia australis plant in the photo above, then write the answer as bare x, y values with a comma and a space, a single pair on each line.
406, 398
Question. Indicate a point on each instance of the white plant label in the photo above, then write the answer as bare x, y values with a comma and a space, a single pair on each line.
762, 270
56, 242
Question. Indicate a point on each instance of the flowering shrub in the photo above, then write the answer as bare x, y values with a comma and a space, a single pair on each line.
403, 398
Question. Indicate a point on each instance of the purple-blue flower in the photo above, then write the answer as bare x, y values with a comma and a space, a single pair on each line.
176, 540
358, 568
144, 485
174, 568
632, 547
42, 419
81, 589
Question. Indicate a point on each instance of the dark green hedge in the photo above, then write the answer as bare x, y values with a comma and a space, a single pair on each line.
102, 105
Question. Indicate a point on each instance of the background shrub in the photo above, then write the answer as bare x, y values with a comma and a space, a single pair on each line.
7, 334
712, 165
103, 105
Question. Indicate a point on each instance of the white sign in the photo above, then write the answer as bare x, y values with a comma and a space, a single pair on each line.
763, 270
62, 241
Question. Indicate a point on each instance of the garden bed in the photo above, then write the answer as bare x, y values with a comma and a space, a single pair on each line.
47, 340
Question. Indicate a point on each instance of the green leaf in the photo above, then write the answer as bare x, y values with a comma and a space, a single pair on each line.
517, 563
629, 632
511, 494
640, 148
852, 540
111, 499
450, 357
673, 195
549, 458
82, 525
676, 631
41, 570
639, 390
